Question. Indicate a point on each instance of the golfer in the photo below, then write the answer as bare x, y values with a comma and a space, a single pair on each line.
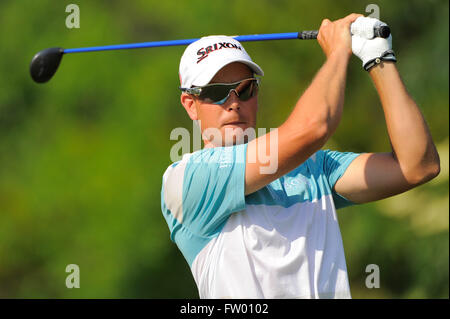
254, 226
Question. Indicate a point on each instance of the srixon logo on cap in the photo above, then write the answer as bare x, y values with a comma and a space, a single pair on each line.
204, 52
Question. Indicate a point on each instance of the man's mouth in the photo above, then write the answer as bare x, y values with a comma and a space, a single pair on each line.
235, 123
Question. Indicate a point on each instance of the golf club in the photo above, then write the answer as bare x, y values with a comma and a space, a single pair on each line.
45, 63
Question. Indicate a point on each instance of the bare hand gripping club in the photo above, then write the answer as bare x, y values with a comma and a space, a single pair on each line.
45, 63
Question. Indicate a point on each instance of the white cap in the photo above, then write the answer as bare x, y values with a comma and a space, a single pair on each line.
203, 58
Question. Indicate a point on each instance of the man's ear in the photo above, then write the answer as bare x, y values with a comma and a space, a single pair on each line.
189, 104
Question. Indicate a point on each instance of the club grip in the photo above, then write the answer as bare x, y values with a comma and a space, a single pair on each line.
379, 32
308, 35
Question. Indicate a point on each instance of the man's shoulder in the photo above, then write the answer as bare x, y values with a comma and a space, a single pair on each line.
176, 166
320, 158
316, 165
313, 163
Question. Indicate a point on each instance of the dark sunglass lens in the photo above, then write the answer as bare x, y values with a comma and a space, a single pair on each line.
215, 93
248, 90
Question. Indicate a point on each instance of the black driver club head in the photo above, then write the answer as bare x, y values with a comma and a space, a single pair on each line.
45, 63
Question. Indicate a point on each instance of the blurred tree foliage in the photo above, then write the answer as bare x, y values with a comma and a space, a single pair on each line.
82, 157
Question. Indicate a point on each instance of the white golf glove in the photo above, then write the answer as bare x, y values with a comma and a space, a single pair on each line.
369, 49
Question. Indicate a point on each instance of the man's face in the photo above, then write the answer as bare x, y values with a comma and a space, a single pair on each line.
231, 118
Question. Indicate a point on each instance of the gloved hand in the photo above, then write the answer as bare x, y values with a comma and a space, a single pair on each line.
369, 49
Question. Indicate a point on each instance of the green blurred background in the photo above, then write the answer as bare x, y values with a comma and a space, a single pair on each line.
82, 157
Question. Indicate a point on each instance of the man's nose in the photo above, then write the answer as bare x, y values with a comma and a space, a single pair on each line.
233, 101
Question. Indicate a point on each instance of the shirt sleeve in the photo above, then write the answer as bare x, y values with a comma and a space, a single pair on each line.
211, 186
334, 166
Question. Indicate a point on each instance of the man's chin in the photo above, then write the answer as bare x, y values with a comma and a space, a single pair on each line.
230, 135
237, 139
238, 135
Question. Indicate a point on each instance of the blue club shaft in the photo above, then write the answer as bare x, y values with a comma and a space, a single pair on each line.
240, 38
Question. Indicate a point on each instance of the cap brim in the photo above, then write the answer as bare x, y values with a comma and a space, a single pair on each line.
206, 76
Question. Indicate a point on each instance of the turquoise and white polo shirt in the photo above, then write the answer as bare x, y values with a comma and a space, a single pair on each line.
282, 241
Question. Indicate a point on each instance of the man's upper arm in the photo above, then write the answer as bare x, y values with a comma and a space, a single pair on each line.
371, 177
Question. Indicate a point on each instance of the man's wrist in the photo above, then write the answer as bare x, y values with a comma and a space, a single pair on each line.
342, 55
381, 67
388, 55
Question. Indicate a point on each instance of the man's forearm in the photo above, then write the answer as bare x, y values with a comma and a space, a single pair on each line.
411, 140
322, 102
315, 116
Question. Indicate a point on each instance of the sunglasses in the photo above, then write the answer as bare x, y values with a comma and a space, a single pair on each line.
218, 93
